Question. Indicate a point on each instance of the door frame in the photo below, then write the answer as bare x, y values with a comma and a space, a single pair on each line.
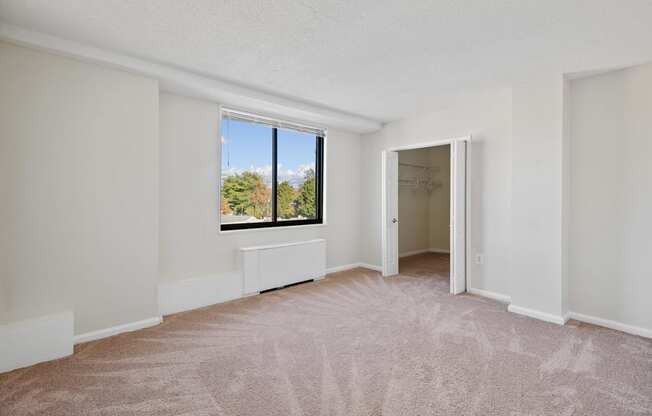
384, 193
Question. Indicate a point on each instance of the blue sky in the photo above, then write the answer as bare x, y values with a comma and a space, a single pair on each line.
249, 145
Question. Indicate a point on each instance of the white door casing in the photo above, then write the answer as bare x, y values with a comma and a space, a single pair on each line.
390, 213
458, 217
458, 209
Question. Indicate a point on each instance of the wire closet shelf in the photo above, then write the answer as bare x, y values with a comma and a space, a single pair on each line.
418, 177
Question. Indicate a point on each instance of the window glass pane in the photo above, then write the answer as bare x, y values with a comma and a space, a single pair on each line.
297, 185
246, 195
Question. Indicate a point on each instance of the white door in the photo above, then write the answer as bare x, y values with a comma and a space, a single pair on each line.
390, 213
458, 217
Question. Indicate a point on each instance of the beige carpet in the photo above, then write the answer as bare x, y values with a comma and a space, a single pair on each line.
352, 344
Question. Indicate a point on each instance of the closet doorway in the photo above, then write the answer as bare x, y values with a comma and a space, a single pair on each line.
424, 212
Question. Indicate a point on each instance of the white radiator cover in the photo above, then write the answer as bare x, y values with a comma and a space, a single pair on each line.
272, 266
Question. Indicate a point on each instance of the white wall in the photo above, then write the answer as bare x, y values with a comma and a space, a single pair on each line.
413, 204
537, 180
440, 199
487, 117
79, 181
84, 179
611, 196
190, 242
4, 297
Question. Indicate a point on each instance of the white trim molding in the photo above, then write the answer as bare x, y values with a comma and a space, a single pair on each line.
342, 268
543, 316
352, 266
372, 267
35, 340
192, 84
425, 250
490, 295
432, 143
607, 323
118, 329
439, 250
413, 253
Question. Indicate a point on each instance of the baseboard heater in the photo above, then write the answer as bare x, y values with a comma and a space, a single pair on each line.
274, 266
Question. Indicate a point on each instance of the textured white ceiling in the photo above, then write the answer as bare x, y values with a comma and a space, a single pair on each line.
382, 59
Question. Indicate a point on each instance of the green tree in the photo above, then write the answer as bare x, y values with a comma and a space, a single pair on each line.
261, 199
285, 200
247, 194
306, 201
224, 205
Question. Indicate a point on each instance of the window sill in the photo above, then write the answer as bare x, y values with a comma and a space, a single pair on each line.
267, 229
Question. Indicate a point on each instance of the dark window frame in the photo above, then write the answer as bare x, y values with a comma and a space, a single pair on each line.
319, 192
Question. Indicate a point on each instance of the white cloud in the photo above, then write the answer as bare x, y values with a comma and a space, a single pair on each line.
294, 176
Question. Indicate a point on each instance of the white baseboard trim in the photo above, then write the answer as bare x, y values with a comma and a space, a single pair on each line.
543, 316
118, 329
36, 340
413, 252
371, 267
342, 268
491, 295
353, 266
618, 326
197, 292
425, 250
566, 317
439, 250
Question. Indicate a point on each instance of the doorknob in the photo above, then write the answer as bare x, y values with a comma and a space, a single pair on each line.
394, 220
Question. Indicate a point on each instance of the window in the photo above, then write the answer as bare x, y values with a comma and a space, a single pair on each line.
272, 173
